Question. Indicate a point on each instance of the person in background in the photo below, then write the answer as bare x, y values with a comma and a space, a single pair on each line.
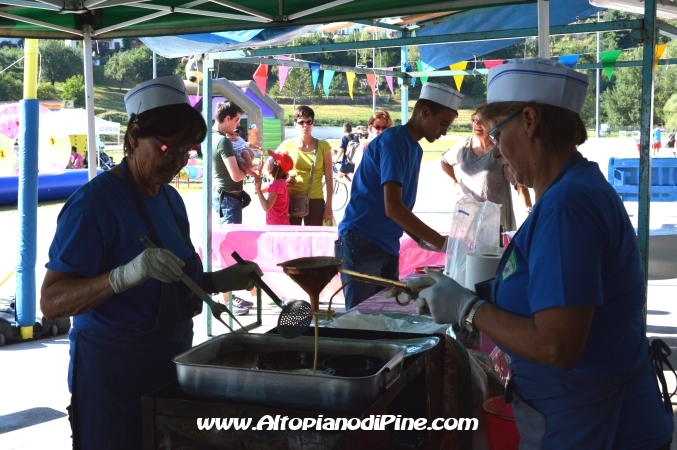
302, 150
343, 155
276, 206
567, 302
229, 196
479, 175
131, 315
228, 177
656, 138
377, 124
75, 161
384, 192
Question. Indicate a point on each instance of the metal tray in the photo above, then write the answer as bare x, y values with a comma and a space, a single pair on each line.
291, 390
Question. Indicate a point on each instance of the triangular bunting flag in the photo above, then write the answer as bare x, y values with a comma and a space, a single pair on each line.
315, 69
389, 81
421, 66
261, 77
659, 52
283, 71
608, 59
489, 63
458, 79
351, 78
326, 80
569, 60
371, 78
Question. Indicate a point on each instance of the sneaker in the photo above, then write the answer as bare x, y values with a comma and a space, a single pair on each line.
239, 311
242, 303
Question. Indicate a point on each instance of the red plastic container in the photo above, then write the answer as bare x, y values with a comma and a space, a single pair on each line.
502, 431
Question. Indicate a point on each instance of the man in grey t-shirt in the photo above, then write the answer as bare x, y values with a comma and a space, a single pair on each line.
228, 177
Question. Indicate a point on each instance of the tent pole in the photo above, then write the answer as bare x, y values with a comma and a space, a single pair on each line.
154, 65
207, 69
544, 28
404, 82
92, 149
27, 201
650, 37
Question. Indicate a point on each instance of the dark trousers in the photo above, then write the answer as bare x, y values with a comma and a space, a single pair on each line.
363, 256
315, 213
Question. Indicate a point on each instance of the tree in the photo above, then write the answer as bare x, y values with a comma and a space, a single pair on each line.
120, 67
74, 89
47, 92
11, 89
142, 58
298, 83
58, 61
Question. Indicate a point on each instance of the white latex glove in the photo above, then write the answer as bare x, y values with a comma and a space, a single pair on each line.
236, 277
447, 300
415, 285
156, 263
425, 245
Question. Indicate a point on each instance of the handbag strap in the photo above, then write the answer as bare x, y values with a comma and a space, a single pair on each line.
312, 169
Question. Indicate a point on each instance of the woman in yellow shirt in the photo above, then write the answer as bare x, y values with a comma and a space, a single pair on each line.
302, 152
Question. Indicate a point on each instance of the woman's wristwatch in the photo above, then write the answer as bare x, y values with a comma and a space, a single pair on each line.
471, 315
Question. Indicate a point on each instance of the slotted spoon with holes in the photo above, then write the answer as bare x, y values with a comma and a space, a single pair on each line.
294, 319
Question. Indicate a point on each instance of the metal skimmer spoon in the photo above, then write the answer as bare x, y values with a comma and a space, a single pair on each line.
294, 319
216, 308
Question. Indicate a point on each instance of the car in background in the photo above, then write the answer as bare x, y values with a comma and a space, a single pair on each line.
361, 131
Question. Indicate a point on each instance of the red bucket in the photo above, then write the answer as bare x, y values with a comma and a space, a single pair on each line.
502, 431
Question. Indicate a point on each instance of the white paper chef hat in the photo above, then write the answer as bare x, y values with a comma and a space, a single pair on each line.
442, 94
537, 80
151, 94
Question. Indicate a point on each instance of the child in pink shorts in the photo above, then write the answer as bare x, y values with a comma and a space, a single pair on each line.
276, 205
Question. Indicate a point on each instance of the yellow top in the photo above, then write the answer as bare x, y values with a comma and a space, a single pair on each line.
302, 162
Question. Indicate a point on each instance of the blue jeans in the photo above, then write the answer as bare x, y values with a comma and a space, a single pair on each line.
360, 255
229, 209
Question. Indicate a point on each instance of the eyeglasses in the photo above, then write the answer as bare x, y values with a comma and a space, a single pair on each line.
379, 128
492, 133
305, 122
172, 152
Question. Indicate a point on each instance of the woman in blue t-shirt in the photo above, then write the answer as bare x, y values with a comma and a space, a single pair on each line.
566, 304
130, 314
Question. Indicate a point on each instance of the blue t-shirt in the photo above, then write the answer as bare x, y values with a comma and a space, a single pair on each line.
657, 135
98, 230
578, 248
393, 156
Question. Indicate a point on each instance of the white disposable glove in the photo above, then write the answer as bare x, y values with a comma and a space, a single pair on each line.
447, 300
236, 277
156, 263
425, 245
414, 285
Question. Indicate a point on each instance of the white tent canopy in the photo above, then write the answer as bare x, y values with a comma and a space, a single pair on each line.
74, 121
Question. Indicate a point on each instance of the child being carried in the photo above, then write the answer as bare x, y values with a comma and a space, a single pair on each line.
244, 151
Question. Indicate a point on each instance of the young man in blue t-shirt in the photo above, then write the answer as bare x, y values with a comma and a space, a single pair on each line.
384, 192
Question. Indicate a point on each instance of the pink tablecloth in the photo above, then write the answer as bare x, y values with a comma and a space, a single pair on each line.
269, 245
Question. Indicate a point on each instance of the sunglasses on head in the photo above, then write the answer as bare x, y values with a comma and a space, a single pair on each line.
305, 122
379, 128
172, 152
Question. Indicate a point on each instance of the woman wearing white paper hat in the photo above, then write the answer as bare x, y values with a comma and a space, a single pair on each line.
131, 316
567, 301
472, 167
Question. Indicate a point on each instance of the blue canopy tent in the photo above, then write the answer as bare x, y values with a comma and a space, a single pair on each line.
498, 18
